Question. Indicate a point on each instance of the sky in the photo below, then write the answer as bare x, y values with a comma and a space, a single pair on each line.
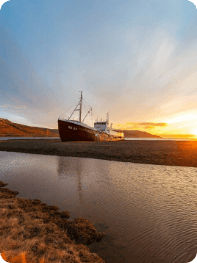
136, 60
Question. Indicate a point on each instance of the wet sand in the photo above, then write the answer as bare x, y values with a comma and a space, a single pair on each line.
33, 232
174, 153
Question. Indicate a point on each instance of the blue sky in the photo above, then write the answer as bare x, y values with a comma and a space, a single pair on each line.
134, 59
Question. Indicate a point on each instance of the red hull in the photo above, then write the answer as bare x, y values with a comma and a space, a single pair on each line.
70, 131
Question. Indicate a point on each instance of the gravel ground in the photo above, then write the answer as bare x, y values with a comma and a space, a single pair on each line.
176, 153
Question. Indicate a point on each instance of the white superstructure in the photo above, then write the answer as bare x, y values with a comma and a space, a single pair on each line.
103, 126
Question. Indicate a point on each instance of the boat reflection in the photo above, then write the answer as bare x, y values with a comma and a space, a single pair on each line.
72, 168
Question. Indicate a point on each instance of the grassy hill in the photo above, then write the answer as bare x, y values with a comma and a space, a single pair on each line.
137, 134
11, 129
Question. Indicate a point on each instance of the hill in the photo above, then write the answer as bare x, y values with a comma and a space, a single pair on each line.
137, 134
11, 129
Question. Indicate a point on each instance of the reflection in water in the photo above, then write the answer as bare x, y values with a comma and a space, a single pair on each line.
149, 212
72, 168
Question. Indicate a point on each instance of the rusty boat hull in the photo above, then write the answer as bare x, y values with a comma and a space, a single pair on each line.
76, 131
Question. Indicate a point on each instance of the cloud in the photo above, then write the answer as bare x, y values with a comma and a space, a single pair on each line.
153, 124
145, 125
133, 63
14, 107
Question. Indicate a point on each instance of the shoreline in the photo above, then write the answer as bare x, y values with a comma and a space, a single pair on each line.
32, 231
167, 152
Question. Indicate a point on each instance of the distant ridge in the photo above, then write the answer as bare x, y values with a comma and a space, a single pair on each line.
11, 129
137, 134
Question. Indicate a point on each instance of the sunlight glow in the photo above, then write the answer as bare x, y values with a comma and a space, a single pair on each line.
184, 117
194, 132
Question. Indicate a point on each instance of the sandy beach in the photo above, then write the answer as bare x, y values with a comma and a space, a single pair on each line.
174, 153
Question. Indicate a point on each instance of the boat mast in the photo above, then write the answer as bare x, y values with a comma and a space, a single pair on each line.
80, 107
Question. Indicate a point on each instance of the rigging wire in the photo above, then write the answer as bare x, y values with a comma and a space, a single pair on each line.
66, 112
85, 106
89, 110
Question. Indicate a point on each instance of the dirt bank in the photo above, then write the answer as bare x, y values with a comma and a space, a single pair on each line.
33, 232
178, 153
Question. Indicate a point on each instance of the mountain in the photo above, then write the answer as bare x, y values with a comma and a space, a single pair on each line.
11, 129
137, 134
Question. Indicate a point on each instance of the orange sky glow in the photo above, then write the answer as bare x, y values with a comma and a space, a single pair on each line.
137, 62
180, 125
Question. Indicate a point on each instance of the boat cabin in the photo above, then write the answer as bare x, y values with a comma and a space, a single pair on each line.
101, 125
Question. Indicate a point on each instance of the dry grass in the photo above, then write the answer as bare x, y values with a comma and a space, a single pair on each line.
33, 232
